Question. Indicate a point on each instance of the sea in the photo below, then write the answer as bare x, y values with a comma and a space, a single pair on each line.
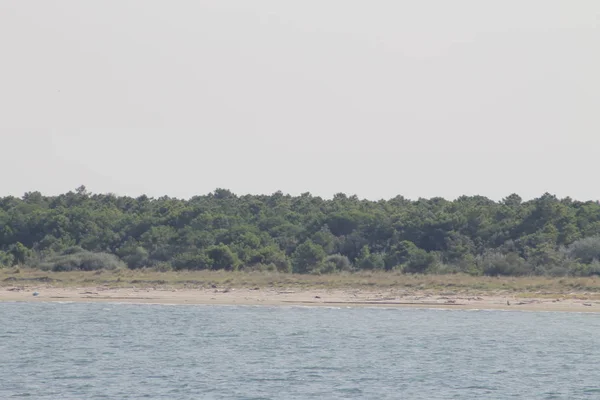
140, 351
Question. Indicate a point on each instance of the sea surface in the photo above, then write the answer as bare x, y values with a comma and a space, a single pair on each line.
125, 351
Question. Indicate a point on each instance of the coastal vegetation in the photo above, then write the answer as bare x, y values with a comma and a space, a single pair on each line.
221, 281
306, 234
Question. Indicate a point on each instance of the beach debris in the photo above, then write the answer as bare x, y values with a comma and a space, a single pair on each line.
528, 302
507, 302
450, 301
587, 304
474, 298
317, 297
213, 286
36, 294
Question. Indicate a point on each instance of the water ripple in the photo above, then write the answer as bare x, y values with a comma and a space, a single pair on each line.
94, 351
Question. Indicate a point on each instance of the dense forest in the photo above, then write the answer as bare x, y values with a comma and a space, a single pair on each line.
301, 234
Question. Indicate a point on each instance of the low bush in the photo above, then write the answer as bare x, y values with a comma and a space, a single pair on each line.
81, 260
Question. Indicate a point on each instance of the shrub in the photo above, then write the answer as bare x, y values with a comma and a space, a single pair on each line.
192, 260
282, 264
495, 264
581, 269
162, 267
368, 260
326, 267
271, 255
339, 262
82, 260
222, 257
307, 257
21, 254
447, 269
262, 268
420, 261
73, 250
594, 268
6, 259
409, 258
558, 271
332, 264
134, 255
585, 250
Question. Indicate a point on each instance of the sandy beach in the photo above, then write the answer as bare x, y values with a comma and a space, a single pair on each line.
310, 297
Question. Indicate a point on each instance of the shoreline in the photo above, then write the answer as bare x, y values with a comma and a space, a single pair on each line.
386, 298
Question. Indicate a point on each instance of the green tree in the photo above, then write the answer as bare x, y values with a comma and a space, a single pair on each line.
338, 262
585, 250
307, 257
6, 259
222, 257
368, 260
544, 235
20, 253
134, 255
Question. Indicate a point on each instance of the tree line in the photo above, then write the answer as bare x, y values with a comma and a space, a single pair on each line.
79, 230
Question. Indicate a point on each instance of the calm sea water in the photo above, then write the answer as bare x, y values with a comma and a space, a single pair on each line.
119, 351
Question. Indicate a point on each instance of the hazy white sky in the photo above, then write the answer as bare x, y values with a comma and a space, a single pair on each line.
375, 98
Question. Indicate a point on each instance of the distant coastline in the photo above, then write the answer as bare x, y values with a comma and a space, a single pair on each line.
306, 234
341, 290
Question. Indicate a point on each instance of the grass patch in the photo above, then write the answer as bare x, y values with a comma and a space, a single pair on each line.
460, 284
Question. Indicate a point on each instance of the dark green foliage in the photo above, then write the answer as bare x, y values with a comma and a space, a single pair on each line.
367, 260
303, 234
6, 259
411, 259
307, 257
221, 257
585, 250
332, 264
134, 255
194, 260
495, 264
419, 261
271, 255
19, 253
339, 262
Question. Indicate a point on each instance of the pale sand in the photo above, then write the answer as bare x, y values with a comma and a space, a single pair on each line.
310, 297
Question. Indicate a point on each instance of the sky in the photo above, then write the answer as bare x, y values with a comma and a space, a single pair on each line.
375, 98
